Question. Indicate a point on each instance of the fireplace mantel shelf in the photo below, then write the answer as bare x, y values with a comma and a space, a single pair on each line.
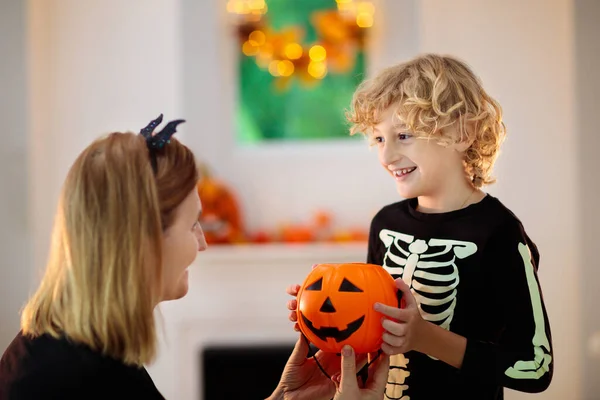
219, 254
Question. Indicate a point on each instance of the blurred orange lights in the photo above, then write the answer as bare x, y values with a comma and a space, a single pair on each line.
245, 7
257, 38
252, 46
317, 69
317, 53
364, 20
249, 49
361, 11
340, 32
281, 68
293, 51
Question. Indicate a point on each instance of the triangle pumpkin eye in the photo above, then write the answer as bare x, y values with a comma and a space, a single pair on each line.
317, 285
348, 286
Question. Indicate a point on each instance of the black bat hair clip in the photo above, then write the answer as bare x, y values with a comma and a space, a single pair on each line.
156, 142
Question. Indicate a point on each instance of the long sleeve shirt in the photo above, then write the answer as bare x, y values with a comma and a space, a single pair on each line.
474, 272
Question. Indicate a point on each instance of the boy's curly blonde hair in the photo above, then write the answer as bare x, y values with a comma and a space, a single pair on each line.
432, 92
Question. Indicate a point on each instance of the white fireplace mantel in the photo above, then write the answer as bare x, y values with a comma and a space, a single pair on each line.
236, 295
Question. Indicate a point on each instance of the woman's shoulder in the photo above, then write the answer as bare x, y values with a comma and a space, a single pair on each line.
31, 366
37, 352
38, 362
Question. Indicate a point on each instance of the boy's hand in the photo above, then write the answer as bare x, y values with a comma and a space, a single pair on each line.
292, 290
407, 329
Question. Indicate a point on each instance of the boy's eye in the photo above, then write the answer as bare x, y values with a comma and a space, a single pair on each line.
376, 140
404, 136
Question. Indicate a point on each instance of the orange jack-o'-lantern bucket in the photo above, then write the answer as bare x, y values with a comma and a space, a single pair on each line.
335, 306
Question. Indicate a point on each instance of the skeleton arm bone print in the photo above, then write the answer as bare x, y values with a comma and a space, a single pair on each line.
522, 359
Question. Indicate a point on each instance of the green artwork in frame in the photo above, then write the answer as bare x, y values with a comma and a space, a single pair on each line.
298, 67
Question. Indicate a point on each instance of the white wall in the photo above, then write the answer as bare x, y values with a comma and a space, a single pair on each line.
97, 66
15, 232
587, 50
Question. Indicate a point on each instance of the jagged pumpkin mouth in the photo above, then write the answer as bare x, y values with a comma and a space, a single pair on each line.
325, 332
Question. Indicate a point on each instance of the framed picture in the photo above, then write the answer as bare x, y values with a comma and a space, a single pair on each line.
298, 64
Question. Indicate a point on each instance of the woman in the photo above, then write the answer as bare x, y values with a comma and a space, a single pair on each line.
125, 233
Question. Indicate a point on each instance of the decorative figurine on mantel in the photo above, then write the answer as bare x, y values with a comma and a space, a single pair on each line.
221, 217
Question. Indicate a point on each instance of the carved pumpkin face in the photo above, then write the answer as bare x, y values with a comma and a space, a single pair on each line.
335, 306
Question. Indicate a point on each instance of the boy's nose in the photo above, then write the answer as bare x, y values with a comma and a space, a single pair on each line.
389, 155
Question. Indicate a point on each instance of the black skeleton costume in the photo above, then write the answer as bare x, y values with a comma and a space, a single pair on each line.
474, 272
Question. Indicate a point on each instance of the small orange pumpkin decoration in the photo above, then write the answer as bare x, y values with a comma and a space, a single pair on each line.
221, 218
335, 306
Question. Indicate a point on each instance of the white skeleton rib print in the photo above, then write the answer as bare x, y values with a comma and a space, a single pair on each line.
432, 276
430, 270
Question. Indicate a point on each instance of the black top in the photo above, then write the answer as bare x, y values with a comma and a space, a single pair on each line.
474, 272
49, 368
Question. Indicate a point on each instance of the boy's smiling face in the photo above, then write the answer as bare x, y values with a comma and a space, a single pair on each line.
420, 167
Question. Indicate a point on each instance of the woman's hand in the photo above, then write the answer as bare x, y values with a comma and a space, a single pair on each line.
347, 387
302, 379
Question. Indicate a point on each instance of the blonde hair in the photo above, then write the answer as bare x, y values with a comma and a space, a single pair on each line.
430, 93
102, 280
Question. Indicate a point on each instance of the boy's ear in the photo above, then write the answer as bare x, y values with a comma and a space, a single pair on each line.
463, 145
465, 134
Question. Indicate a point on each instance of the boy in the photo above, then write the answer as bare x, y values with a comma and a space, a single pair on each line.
474, 320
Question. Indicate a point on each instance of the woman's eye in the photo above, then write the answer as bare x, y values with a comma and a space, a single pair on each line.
196, 225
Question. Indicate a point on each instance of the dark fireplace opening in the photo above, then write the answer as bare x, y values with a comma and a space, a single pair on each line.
248, 372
